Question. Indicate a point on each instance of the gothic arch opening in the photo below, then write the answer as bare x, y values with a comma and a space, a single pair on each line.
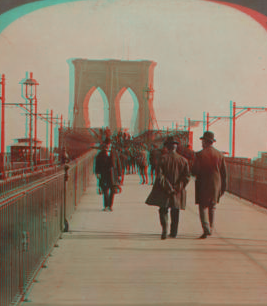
127, 106
95, 108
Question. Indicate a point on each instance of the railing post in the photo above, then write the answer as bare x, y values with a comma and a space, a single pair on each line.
44, 219
65, 225
51, 137
25, 248
76, 184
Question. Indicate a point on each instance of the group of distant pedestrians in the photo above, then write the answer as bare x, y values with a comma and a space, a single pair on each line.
170, 173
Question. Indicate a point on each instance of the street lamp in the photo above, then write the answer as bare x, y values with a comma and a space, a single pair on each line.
29, 92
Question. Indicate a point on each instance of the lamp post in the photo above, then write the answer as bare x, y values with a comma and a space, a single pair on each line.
24, 106
30, 90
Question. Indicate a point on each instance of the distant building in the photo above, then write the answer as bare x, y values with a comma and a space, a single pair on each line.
20, 152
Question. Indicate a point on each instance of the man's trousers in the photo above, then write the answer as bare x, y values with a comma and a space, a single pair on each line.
207, 215
108, 195
163, 215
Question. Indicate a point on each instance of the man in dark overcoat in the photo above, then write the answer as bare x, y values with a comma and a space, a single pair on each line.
108, 171
174, 170
210, 172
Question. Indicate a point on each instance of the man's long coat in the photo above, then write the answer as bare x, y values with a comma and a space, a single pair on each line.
210, 171
175, 168
109, 167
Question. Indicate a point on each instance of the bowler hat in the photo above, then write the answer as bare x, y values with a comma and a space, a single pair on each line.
170, 140
208, 136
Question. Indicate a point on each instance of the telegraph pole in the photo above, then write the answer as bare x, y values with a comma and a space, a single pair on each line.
235, 113
3, 101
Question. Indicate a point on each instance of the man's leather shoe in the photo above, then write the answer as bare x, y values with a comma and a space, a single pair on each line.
203, 236
172, 236
163, 236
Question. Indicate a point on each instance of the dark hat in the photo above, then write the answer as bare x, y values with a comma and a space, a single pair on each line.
208, 136
170, 140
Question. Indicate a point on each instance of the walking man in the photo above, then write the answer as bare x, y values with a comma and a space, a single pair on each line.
174, 172
108, 172
143, 164
210, 172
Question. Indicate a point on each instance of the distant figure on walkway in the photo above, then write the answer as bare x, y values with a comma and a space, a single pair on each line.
64, 157
108, 172
210, 171
169, 188
142, 160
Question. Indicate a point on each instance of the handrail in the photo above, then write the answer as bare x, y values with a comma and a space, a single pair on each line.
248, 181
32, 219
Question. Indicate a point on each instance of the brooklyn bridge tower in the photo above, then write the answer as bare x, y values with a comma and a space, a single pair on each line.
113, 78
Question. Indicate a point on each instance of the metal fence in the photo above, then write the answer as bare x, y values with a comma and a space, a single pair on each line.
22, 177
247, 181
31, 222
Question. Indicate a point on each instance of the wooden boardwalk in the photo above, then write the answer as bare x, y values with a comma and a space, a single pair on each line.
117, 258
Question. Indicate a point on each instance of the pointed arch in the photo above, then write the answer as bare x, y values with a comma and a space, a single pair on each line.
86, 106
133, 113
134, 119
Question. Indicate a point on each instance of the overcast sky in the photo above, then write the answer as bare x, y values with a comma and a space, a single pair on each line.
207, 54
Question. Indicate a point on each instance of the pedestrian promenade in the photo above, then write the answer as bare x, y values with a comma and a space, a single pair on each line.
117, 258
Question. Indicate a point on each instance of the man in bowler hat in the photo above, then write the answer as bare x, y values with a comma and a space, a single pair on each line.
210, 172
175, 170
108, 172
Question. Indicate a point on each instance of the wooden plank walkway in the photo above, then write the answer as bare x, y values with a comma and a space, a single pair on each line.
117, 258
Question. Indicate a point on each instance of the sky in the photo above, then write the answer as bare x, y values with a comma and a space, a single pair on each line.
207, 55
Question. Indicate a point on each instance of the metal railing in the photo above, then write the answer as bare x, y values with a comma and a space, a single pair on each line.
21, 177
31, 222
247, 181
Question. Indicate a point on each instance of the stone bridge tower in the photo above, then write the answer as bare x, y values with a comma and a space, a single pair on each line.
114, 77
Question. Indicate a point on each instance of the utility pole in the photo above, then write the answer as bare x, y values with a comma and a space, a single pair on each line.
212, 119
3, 101
235, 113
